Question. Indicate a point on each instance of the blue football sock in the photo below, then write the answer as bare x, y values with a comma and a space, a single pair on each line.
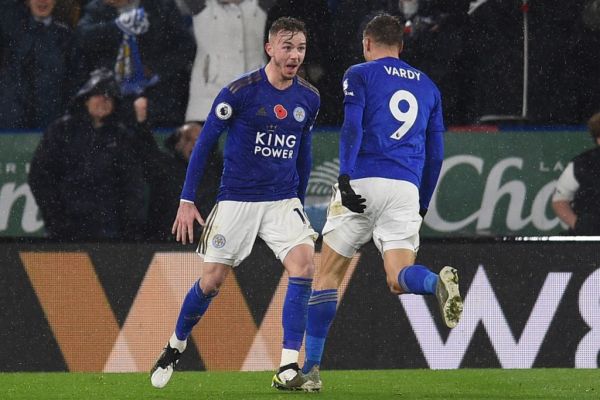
193, 308
321, 311
294, 312
417, 279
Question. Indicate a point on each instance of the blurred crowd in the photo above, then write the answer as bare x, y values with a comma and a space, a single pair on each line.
145, 64
179, 53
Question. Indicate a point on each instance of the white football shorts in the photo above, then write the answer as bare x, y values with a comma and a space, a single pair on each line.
391, 218
232, 227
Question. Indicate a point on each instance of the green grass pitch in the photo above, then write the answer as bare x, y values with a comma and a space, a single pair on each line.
369, 385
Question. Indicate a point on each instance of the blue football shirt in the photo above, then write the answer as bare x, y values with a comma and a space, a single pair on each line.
400, 132
267, 154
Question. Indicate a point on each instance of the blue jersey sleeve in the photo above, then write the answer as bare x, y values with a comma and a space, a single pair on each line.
352, 130
350, 137
354, 87
303, 164
434, 155
221, 114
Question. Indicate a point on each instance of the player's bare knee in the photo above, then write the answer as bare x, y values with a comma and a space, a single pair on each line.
210, 285
301, 267
304, 270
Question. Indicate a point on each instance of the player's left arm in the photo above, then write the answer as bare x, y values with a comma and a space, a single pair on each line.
434, 156
352, 132
304, 161
351, 136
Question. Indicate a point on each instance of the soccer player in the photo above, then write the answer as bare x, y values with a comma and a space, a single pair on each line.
391, 152
269, 114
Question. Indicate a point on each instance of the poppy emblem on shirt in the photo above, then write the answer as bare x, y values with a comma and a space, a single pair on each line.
299, 114
280, 111
223, 111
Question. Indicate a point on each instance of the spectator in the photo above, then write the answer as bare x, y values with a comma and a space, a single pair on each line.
165, 174
145, 42
575, 200
229, 39
36, 54
82, 174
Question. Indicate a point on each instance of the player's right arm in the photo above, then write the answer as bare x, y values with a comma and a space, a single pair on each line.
352, 131
218, 120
